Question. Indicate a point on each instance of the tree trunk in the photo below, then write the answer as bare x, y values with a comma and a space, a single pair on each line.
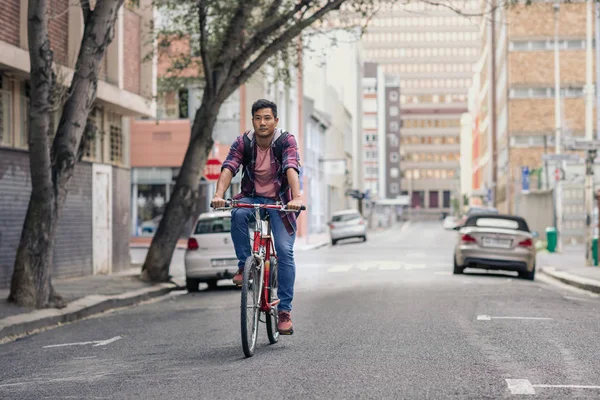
51, 172
184, 200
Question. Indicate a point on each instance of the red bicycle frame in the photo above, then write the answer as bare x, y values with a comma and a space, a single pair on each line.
265, 242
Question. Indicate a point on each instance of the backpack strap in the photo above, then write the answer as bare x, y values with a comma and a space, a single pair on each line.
278, 148
247, 149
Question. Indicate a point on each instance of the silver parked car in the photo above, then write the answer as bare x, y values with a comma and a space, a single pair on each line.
347, 224
495, 242
210, 255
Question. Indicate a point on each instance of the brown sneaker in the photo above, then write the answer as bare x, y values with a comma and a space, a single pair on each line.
284, 325
238, 277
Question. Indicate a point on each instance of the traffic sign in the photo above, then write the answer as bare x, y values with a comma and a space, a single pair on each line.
525, 179
561, 157
582, 144
212, 170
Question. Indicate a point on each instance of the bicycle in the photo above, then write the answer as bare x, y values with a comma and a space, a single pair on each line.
261, 267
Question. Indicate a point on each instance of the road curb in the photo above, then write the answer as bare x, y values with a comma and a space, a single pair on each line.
22, 324
573, 280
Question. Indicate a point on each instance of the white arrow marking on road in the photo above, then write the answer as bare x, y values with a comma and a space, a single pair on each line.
488, 318
520, 386
95, 343
523, 386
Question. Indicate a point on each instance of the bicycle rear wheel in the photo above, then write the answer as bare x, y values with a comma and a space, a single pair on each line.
272, 331
250, 306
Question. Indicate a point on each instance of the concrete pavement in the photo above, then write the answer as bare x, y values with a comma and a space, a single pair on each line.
381, 319
569, 267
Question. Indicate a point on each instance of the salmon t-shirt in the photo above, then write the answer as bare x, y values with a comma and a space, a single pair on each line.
264, 181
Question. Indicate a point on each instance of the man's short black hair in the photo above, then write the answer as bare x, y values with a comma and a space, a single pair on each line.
262, 103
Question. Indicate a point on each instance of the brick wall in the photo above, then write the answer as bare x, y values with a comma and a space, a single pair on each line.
537, 68
58, 30
132, 51
9, 21
121, 218
537, 115
537, 20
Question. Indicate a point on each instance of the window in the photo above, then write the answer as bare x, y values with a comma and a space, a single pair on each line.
213, 225
446, 199
434, 199
116, 138
5, 115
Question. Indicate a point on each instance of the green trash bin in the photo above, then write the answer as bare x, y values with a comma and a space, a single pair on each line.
595, 250
551, 238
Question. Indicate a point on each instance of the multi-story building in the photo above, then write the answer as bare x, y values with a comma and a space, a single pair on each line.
516, 130
431, 49
90, 238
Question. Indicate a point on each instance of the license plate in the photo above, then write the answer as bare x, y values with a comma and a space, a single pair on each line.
224, 262
494, 242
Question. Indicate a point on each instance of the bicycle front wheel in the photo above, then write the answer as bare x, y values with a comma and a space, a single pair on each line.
250, 307
272, 331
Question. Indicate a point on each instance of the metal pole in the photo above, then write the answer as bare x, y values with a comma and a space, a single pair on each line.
589, 100
597, 68
589, 135
558, 127
494, 124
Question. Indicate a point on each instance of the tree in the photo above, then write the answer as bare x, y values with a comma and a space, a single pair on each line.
53, 155
235, 38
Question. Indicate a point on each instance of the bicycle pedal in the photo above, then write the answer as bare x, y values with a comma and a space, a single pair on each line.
290, 333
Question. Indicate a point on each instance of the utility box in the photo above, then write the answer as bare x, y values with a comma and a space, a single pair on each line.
551, 237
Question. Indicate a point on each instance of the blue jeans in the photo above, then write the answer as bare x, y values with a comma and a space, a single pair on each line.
284, 246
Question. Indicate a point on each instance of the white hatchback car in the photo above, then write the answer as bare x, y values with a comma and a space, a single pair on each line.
347, 224
210, 255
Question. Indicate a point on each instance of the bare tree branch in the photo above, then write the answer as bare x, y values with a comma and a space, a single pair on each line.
206, 62
243, 74
271, 25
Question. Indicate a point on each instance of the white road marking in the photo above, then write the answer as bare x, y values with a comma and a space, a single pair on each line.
489, 318
94, 342
568, 386
340, 268
109, 341
524, 386
520, 386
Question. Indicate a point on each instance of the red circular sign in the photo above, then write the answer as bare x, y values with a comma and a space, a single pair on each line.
212, 170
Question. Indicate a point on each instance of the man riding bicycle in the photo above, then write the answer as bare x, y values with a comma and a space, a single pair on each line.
271, 165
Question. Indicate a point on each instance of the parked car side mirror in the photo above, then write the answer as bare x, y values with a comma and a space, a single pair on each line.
535, 234
457, 227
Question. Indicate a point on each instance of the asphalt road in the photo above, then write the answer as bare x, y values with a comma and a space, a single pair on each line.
381, 319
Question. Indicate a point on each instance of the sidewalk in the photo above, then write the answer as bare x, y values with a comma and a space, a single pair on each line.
86, 296
569, 267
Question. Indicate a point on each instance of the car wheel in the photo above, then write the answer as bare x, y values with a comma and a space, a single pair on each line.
212, 284
364, 238
192, 285
527, 274
333, 242
457, 268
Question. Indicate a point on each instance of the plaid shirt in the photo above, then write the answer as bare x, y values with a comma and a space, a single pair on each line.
290, 158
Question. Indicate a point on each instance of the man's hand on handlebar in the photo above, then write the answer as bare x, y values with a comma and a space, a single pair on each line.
218, 202
295, 204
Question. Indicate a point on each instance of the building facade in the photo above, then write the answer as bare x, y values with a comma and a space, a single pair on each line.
516, 131
431, 50
91, 238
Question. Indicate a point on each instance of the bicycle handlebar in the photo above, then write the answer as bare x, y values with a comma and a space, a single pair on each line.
234, 204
